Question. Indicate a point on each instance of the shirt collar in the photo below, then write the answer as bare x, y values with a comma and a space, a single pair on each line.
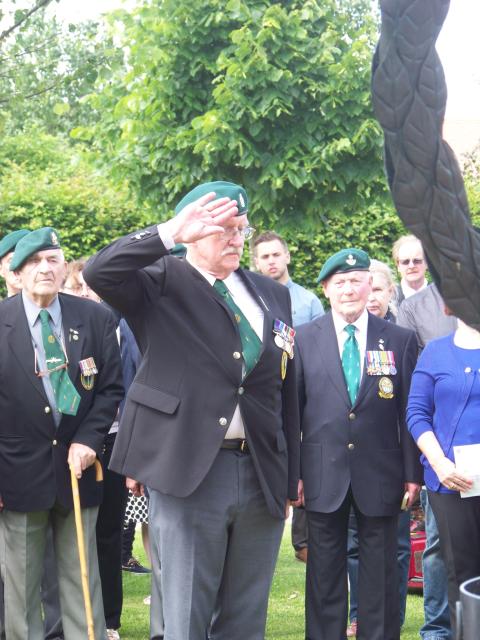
208, 276
361, 323
408, 291
32, 310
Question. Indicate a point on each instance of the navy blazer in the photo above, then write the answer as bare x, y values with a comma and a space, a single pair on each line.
33, 451
189, 382
366, 447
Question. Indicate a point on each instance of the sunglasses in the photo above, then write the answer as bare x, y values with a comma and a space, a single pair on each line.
415, 261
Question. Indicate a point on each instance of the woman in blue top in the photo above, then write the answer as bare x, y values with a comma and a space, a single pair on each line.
443, 413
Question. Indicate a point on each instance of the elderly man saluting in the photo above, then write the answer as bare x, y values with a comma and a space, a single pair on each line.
210, 423
60, 386
354, 372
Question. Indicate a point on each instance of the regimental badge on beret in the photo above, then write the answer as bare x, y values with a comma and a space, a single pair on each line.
351, 261
54, 238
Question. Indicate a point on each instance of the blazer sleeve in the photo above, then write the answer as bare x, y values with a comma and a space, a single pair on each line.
117, 272
413, 471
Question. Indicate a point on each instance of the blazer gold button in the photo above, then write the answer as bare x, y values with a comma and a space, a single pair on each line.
241, 391
54, 442
351, 446
237, 355
351, 416
222, 422
47, 409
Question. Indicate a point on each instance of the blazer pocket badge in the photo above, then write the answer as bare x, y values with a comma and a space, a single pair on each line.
381, 363
88, 371
385, 388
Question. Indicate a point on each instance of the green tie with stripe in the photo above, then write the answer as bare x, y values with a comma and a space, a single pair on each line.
67, 398
351, 363
251, 343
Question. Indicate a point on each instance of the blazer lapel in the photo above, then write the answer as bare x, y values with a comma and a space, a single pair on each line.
74, 338
328, 345
268, 316
19, 338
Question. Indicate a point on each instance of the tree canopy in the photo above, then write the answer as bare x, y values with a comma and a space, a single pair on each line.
272, 95
47, 67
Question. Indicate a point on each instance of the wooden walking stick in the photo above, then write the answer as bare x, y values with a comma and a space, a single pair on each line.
81, 546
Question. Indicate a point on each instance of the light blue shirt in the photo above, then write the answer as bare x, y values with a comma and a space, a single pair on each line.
305, 304
32, 312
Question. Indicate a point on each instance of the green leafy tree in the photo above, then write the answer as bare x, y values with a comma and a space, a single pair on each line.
45, 183
274, 95
47, 67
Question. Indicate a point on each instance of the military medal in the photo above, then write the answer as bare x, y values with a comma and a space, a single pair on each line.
380, 363
88, 370
385, 388
283, 367
284, 337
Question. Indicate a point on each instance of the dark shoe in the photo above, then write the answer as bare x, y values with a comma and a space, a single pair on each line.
134, 566
301, 554
352, 629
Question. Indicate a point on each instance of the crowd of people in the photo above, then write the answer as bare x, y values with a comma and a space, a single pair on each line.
216, 398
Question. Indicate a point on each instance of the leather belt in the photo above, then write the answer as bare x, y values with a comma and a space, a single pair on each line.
235, 444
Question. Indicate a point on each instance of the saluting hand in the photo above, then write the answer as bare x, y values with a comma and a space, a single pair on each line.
201, 218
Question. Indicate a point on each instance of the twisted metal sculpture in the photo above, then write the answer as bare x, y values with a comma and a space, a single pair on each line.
409, 97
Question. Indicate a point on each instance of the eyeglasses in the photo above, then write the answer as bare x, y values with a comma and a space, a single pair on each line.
244, 232
414, 261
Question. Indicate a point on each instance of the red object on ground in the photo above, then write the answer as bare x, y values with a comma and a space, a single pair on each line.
415, 572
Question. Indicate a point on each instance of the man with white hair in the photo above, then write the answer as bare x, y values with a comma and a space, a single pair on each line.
60, 389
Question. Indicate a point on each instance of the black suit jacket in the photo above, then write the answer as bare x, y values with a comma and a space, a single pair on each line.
33, 451
190, 378
366, 446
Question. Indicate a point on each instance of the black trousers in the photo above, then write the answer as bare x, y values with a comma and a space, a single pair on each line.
109, 538
458, 522
299, 528
326, 597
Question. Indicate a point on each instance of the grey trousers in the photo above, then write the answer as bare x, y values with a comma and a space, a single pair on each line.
218, 550
25, 539
50, 599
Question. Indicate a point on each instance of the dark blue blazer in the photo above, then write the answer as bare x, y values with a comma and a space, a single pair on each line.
366, 447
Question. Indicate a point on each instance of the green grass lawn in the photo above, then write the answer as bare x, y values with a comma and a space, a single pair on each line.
286, 607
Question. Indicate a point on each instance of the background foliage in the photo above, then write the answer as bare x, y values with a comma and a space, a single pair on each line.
275, 95
272, 95
44, 183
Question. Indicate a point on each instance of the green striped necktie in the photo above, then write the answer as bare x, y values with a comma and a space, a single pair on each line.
67, 398
251, 343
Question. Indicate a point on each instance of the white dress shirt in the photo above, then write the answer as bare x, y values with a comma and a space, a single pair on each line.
361, 327
249, 307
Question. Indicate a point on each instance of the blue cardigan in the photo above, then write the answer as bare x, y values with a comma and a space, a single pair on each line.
444, 397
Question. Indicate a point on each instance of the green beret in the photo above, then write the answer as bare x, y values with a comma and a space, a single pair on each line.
343, 261
38, 240
222, 190
8, 242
